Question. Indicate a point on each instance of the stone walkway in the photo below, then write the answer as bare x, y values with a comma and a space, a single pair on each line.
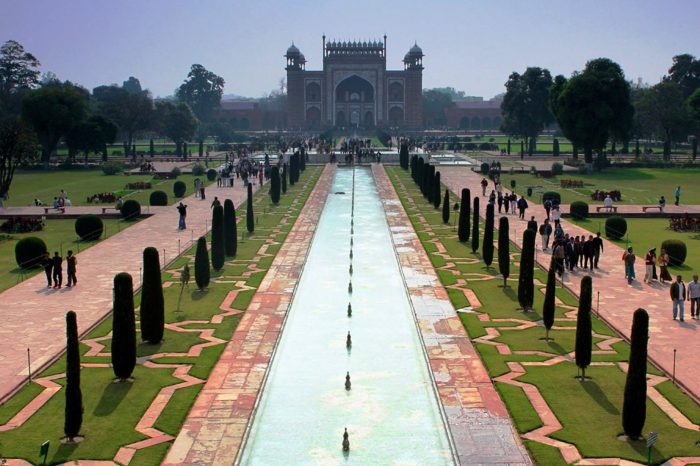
618, 300
477, 418
34, 315
215, 426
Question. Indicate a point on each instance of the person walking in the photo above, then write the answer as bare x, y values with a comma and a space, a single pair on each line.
545, 233
649, 261
588, 253
71, 262
202, 196
629, 259
182, 210
522, 207
556, 214
597, 249
197, 187
694, 298
559, 253
215, 202
484, 184
513, 202
662, 204
57, 270
678, 296
677, 194
492, 198
47, 264
547, 207
500, 201
664, 262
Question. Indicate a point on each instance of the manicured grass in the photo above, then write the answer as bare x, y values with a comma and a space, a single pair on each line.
59, 235
637, 185
589, 411
112, 410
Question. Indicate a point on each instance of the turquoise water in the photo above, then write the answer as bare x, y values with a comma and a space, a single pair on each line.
391, 412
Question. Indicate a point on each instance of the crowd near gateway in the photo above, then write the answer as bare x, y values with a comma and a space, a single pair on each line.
367, 265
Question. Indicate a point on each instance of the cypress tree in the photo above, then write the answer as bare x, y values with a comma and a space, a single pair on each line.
584, 332
151, 148
695, 148
123, 327
464, 212
275, 185
475, 226
291, 170
201, 148
424, 181
436, 190
74, 396
532, 147
403, 156
284, 179
526, 286
249, 216
418, 178
555, 147
487, 247
634, 406
302, 159
414, 166
549, 307
201, 264
218, 252
446, 207
152, 309
230, 228
504, 249
508, 147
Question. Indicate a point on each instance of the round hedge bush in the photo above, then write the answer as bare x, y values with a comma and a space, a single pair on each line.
198, 169
89, 227
557, 168
485, 168
175, 172
578, 210
179, 188
676, 249
29, 252
131, 209
615, 227
553, 196
529, 192
211, 174
158, 198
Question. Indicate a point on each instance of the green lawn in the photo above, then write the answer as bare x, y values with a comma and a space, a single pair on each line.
112, 410
59, 235
637, 185
79, 184
589, 412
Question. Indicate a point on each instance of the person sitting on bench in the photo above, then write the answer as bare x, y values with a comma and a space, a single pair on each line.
608, 202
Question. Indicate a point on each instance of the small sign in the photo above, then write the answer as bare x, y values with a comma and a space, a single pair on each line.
651, 440
44, 448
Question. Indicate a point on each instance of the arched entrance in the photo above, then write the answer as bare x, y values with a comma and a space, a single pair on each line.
396, 115
354, 100
340, 118
368, 120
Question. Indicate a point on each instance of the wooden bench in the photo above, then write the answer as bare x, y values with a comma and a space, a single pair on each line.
60, 209
645, 208
105, 209
609, 208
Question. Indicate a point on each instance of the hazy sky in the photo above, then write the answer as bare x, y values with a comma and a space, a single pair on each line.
470, 45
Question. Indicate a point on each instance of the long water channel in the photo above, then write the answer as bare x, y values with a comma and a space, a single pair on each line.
391, 411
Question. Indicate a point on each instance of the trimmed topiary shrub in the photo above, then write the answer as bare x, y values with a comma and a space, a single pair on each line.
123, 327
446, 207
179, 188
89, 227
475, 225
158, 198
584, 329
529, 191
615, 227
549, 305
464, 211
485, 168
175, 172
230, 228
152, 309
275, 185
634, 405
578, 210
112, 168
504, 249
211, 174
249, 215
201, 264
131, 209
487, 248
677, 251
198, 169
29, 252
553, 196
557, 168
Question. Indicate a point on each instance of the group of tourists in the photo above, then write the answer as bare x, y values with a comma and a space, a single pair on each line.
53, 268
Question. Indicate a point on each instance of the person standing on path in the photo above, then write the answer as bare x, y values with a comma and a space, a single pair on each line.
597, 249
588, 253
182, 210
500, 201
57, 270
678, 296
513, 202
547, 207
522, 207
197, 187
215, 202
629, 259
71, 263
532, 224
664, 262
649, 261
694, 298
556, 214
47, 263
484, 184
545, 233
677, 194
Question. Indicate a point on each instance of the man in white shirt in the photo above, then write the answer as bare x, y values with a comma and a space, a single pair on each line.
607, 202
694, 297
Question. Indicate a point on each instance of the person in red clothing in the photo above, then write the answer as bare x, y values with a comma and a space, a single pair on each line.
649, 262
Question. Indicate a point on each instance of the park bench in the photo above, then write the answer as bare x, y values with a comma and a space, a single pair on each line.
647, 207
609, 208
105, 209
60, 209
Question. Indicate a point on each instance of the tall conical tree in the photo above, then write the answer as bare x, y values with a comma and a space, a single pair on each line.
74, 396
418, 177
152, 309
291, 170
436, 190
504, 249
526, 285
584, 331
424, 181
475, 225
230, 228
464, 212
218, 252
403, 156
549, 306
249, 215
201, 264
634, 406
123, 327
275, 185
283, 178
446, 207
302, 159
414, 166
487, 248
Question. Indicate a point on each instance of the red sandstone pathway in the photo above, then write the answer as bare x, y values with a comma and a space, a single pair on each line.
33, 316
215, 426
618, 300
478, 421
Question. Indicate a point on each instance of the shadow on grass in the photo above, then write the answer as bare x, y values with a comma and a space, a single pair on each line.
556, 346
64, 451
112, 396
599, 396
196, 295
